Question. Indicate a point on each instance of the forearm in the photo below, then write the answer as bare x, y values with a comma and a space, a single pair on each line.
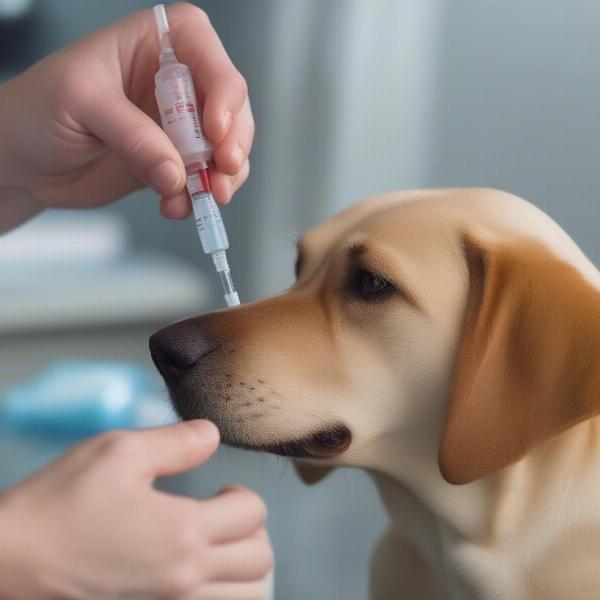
16, 204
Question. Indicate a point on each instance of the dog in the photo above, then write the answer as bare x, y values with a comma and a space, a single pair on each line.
448, 342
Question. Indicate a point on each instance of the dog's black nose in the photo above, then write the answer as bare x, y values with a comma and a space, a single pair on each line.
179, 347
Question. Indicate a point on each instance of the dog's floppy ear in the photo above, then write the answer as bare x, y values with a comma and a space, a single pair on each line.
311, 473
528, 366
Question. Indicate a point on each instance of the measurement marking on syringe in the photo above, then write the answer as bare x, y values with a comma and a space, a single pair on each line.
206, 212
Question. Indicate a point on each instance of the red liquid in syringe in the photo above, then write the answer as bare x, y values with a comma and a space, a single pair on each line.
203, 173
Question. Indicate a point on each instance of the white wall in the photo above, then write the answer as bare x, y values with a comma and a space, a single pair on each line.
349, 113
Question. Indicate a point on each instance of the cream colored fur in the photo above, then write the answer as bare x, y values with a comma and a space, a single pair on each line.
529, 531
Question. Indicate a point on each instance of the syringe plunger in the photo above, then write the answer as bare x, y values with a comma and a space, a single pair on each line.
162, 26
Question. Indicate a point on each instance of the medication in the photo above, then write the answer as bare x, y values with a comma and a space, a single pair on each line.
178, 108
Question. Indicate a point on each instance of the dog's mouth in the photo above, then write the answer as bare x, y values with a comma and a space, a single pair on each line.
326, 443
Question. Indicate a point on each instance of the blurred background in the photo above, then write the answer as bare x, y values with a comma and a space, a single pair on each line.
351, 98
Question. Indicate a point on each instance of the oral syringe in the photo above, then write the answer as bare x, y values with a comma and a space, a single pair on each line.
178, 107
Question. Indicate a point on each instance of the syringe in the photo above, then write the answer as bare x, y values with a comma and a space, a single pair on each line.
178, 108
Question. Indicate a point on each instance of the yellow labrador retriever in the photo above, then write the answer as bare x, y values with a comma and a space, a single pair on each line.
449, 342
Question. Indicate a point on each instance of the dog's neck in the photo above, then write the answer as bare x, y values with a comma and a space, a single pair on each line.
468, 534
475, 512
465, 510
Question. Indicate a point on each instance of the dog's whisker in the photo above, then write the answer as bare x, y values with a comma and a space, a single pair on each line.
286, 464
256, 415
170, 412
290, 233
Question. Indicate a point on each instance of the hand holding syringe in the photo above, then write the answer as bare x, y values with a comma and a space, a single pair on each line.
178, 108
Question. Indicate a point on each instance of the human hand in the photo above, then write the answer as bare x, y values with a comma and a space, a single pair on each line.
78, 128
91, 526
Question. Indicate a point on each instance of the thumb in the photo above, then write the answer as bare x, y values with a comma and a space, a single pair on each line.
177, 448
144, 147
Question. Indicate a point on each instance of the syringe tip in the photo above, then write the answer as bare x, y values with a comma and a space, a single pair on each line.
220, 260
232, 299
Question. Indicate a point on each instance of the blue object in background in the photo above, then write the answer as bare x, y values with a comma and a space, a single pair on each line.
69, 401
73, 398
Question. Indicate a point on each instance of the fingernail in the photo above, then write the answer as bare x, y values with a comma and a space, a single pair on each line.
231, 190
226, 122
206, 430
237, 156
228, 489
165, 178
229, 193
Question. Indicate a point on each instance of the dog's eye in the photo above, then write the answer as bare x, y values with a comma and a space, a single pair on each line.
370, 285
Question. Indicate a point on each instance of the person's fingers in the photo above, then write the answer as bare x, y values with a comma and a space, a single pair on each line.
137, 140
176, 448
232, 152
224, 186
176, 207
247, 560
255, 590
217, 81
108, 180
224, 96
235, 513
238, 180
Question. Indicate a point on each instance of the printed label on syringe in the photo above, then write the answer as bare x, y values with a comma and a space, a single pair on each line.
182, 105
179, 117
206, 211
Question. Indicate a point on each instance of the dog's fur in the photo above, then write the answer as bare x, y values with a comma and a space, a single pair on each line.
469, 389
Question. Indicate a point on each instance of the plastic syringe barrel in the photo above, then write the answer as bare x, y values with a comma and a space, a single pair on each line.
208, 217
177, 103
209, 223
178, 108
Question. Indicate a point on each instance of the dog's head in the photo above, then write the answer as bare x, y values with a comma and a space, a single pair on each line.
448, 323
